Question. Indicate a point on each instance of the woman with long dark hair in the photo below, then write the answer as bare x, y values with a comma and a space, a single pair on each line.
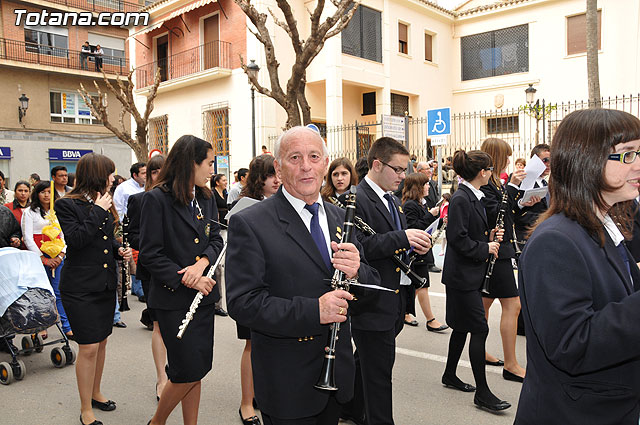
416, 187
261, 181
22, 192
503, 283
88, 278
339, 179
470, 244
134, 212
179, 240
33, 221
219, 186
579, 283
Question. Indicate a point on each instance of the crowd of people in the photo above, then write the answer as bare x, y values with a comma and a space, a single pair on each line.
289, 276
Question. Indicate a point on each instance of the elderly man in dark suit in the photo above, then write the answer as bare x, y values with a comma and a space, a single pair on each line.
375, 328
278, 271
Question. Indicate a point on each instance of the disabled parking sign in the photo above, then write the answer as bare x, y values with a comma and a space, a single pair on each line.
439, 122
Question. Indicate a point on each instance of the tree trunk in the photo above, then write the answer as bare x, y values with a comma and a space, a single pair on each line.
593, 77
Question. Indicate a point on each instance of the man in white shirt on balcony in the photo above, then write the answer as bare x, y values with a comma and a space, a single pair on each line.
85, 52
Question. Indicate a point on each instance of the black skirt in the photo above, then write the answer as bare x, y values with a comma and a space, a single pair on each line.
465, 311
243, 332
503, 282
191, 357
90, 314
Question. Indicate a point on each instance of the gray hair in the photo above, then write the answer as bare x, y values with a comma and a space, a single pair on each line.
422, 166
298, 131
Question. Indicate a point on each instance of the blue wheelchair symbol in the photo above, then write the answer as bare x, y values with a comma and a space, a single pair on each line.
439, 122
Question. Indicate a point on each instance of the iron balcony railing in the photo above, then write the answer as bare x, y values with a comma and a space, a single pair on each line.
101, 5
215, 54
62, 58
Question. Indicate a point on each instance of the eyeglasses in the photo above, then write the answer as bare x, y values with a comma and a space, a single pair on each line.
398, 170
546, 160
488, 169
625, 157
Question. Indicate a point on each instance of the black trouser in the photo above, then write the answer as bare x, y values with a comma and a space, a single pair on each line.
328, 416
376, 352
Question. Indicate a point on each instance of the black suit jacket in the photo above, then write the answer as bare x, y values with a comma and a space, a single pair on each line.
379, 310
465, 260
170, 240
134, 211
90, 264
581, 314
419, 218
526, 217
491, 201
433, 197
274, 277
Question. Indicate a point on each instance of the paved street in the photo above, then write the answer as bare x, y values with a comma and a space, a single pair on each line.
49, 396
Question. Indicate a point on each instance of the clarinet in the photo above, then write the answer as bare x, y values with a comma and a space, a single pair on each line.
367, 230
438, 233
338, 281
126, 276
500, 226
196, 300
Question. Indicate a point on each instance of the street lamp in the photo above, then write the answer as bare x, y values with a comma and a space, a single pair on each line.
252, 72
24, 105
538, 113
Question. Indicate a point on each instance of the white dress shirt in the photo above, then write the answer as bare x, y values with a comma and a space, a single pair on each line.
306, 216
122, 193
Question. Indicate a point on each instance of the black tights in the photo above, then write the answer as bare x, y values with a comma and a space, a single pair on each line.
476, 356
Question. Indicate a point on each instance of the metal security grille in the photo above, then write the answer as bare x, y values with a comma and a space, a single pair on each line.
399, 105
158, 134
499, 52
502, 125
215, 123
363, 36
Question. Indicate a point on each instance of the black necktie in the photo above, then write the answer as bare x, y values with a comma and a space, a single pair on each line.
317, 234
393, 210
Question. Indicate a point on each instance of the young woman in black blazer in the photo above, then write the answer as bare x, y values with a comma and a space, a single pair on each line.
579, 285
88, 279
416, 187
179, 240
503, 283
470, 245
134, 212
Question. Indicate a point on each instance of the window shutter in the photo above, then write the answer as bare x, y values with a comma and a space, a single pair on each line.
428, 47
577, 33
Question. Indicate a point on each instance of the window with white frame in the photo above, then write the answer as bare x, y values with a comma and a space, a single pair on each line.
429, 39
69, 107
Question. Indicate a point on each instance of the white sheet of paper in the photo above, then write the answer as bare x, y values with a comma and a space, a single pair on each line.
538, 191
240, 205
534, 169
433, 226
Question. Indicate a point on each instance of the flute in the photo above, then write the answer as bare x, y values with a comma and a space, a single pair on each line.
196, 300
366, 229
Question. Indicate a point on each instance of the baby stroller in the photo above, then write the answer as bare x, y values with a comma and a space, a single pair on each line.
27, 306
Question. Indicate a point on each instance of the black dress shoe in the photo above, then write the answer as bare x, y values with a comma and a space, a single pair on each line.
467, 388
221, 312
493, 406
106, 406
411, 323
96, 422
509, 376
120, 324
496, 363
438, 329
348, 417
435, 269
254, 420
